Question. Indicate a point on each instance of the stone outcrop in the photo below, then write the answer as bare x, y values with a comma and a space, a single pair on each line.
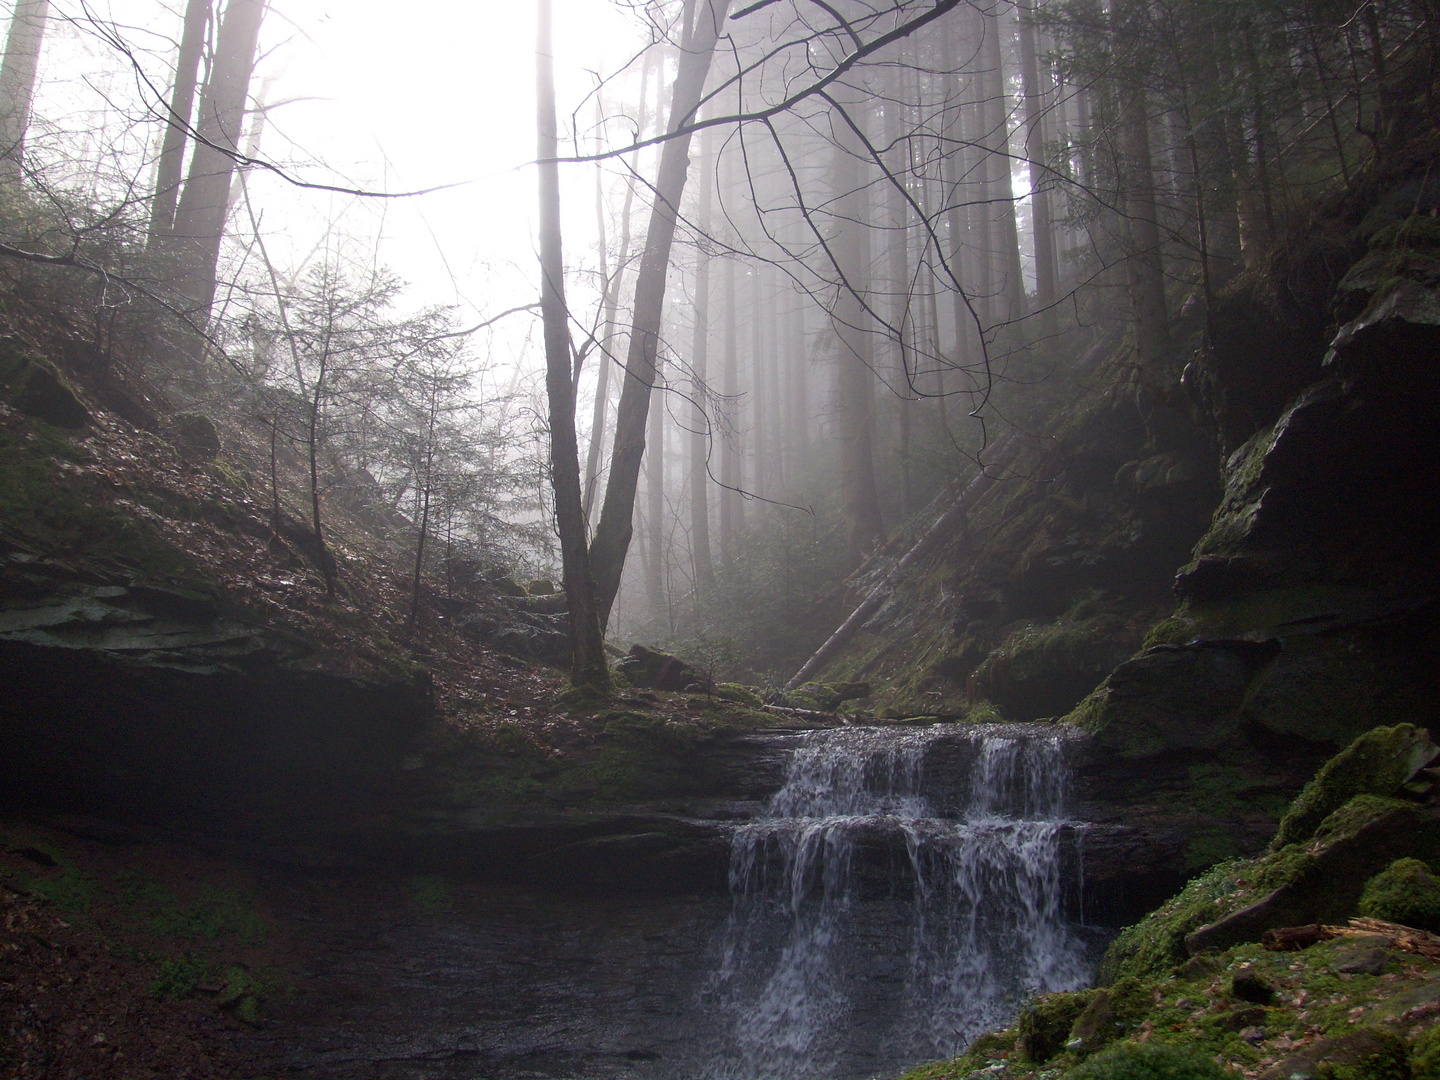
148, 697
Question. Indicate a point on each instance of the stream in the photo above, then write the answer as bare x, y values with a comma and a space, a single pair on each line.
903, 891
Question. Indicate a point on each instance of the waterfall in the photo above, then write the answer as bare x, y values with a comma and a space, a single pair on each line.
882, 916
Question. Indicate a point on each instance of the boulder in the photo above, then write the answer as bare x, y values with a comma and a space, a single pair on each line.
1368, 1054
196, 437
1379, 762
660, 671
1322, 881
1174, 697
36, 389
1405, 892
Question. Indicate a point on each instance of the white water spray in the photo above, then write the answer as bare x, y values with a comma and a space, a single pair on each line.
870, 929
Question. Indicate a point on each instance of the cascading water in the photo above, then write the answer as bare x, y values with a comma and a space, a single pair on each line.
880, 920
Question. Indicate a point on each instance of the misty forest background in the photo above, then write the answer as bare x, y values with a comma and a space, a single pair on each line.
910, 234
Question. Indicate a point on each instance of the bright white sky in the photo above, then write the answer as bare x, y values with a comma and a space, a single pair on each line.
442, 96
447, 97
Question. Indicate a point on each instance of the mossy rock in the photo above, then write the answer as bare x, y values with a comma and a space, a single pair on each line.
1425, 1055
196, 437
1172, 699
1108, 1014
1239, 900
1043, 669
1045, 1022
1156, 944
1145, 1061
1379, 762
1321, 881
741, 695
1371, 1053
36, 389
826, 697
657, 670
1406, 892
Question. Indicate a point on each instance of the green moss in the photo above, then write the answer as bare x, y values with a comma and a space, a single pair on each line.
1368, 1054
68, 889
987, 1051
1405, 892
1174, 629
1089, 715
1377, 763
178, 976
1045, 651
216, 913
1045, 1022
1209, 845
982, 712
741, 695
1425, 1055
1156, 944
1417, 231
1135, 1061
242, 994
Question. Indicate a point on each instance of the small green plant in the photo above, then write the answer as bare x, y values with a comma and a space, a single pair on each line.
216, 913
242, 994
1145, 1061
178, 976
70, 891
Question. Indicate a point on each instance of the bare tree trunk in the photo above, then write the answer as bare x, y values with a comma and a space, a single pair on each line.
17, 82
655, 500
612, 536
205, 202
799, 390
177, 126
732, 511
855, 376
587, 645
756, 398
1144, 266
1004, 234
1041, 218
699, 361
613, 282
317, 403
420, 542
898, 271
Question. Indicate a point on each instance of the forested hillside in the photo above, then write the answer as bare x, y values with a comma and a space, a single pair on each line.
804, 533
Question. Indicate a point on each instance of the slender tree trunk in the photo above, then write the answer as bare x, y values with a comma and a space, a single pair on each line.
587, 645
612, 306
17, 82
420, 549
732, 511
898, 271
177, 125
1042, 221
1144, 264
799, 389
855, 377
205, 202
756, 398
699, 360
612, 536
1004, 235
317, 402
655, 501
